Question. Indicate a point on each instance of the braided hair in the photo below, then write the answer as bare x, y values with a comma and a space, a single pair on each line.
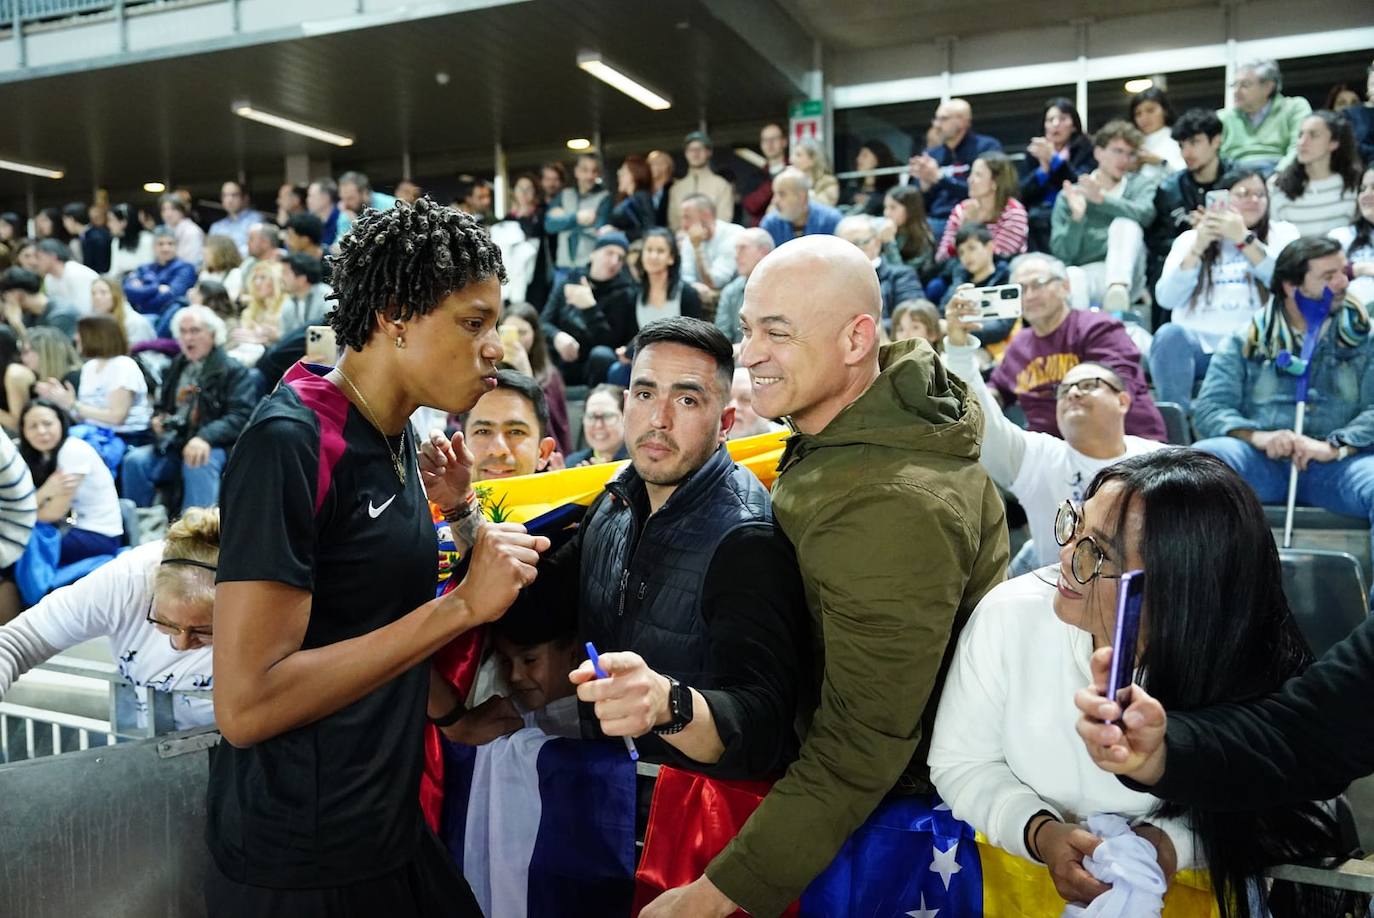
403, 262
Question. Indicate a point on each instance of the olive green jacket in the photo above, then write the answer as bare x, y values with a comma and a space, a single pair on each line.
899, 532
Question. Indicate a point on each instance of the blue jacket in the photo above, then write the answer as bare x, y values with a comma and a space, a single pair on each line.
1253, 394
141, 285
942, 197
821, 219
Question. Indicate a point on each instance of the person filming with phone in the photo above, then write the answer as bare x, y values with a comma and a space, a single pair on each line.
1091, 404
1216, 278
1005, 756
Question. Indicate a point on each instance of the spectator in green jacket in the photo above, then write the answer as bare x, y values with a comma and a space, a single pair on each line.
1261, 129
1098, 225
883, 469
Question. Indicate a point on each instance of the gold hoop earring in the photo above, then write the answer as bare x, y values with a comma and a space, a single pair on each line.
400, 342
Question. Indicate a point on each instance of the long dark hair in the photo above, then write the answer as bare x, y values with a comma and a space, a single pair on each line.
883, 153
539, 349
1364, 229
1066, 106
915, 235
1345, 159
674, 269
128, 240
41, 465
1213, 252
1218, 629
59, 229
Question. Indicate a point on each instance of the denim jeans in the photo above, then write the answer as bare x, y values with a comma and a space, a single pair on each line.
1345, 487
1177, 362
143, 470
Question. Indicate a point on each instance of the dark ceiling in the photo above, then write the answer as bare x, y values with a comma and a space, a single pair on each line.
513, 78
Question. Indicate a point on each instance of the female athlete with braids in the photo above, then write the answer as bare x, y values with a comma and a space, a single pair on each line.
324, 615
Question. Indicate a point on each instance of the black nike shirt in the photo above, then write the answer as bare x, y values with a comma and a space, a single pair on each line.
311, 499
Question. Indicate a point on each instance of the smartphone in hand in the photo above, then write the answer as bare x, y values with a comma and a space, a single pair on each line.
1130, 592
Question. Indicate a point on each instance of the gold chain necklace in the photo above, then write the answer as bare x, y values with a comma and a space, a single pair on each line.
396, 457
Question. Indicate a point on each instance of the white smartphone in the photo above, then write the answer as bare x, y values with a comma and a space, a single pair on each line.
1001, 302
1218, 200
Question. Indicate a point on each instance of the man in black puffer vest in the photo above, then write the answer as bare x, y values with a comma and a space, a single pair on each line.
684, 581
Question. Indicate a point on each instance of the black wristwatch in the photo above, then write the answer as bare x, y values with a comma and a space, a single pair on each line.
679, 708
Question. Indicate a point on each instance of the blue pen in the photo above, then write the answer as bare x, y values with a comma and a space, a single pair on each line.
601, 674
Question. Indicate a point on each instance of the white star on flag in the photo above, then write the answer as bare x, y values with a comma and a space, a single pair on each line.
944, 863
922, 911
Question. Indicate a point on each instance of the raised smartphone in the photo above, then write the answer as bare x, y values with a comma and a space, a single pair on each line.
1003, 302
1130, 592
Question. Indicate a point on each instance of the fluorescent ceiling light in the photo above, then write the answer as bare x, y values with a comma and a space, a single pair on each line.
154, 187
1134, 86
594, 65
244, 110
578, 144
27, 169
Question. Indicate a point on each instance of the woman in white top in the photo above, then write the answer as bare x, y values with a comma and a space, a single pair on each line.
1216, 277
112, 393
154, 603
1214, 627
132, 245
107, 299
661, 294
1316, 192
1358, 241
75, 486
1153, 116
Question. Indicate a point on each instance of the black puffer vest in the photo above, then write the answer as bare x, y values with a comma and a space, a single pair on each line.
646, 597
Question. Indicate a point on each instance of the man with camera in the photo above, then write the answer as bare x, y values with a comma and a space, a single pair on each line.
206, 399
1055, 340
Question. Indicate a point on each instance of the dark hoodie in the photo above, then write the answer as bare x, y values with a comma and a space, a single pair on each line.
610, 321
899, 532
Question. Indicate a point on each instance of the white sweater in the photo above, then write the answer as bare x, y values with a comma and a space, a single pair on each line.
1042, 470
112, 602
1323, 206
1004, 746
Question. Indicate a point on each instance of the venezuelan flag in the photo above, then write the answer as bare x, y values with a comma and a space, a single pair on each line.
1010, 887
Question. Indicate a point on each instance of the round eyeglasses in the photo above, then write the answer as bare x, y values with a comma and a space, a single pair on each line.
1086, 562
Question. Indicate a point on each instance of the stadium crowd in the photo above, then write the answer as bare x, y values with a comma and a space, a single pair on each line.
863, 631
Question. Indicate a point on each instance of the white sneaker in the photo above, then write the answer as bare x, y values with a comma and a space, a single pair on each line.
1117, 299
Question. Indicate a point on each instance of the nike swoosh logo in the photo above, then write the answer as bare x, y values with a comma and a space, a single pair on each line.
375, 512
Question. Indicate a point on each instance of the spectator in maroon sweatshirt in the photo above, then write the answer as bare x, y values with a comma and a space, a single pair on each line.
1055, 340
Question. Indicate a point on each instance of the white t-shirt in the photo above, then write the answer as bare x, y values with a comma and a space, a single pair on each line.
74, 286
1005, 746
1232, 299
112, 601
102, 376
1042, 470
95, 504
137, 328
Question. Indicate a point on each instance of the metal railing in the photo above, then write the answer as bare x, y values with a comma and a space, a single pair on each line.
30, 731
31, 11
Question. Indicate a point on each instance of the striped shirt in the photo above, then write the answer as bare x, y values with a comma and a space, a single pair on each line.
18, 506
1325, 205
1008, 230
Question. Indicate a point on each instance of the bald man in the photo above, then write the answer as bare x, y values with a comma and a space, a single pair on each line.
942, 170
796, 214
899, 533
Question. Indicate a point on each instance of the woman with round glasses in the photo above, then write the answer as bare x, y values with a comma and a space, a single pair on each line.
1214, 627
154, 603
1216, 277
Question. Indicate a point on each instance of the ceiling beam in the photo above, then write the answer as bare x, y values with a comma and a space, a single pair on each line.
775, 35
